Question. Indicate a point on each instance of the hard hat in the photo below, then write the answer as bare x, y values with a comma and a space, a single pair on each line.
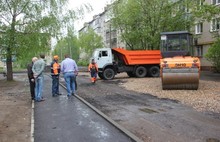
56, 57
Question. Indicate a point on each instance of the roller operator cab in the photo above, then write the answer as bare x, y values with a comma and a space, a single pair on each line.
178, 67
136, 63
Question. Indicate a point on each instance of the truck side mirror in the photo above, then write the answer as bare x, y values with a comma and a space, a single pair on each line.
100, 55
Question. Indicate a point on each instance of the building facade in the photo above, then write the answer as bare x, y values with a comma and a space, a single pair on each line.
101, 24
205, 32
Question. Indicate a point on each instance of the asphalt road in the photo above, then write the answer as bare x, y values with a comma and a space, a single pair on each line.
59, 119
148, 117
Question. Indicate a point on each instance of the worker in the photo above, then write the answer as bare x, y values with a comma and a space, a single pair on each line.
55, 72
93, 69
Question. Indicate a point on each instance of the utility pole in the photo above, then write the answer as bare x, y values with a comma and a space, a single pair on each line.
61, 56
70, 48
110, 36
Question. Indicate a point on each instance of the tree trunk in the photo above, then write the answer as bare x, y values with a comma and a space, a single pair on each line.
9, 68
10, 49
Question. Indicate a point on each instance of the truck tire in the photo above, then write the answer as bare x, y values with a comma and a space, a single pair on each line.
108, 74
154, 71
130, 74
100, 75
140, 72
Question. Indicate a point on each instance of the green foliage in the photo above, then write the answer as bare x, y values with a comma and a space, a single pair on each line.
83, 63
213, 55
88, 41
67, 45
26, 27
32, 45
142, 21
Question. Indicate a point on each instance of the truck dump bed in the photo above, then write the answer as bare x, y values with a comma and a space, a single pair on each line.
139, 57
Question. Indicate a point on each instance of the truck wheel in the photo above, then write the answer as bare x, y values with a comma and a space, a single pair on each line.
100, 75
108, 74
141, 72
154, 71
130, 74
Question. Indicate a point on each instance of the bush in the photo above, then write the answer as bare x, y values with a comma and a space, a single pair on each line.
83, 63
213, 55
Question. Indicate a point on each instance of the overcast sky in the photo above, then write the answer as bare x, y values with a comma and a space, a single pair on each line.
97, 5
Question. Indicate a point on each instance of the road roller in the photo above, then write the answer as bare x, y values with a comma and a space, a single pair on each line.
179, 69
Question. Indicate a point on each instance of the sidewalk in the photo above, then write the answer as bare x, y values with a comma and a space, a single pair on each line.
59, 119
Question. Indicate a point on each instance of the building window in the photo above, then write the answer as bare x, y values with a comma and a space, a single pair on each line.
97, 21
199, 51
216, 2
198, 28
200, 4
184, 8
215, 24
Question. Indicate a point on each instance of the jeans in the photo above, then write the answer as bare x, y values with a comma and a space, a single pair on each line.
55, 84
93, 74
38, 88
70, 82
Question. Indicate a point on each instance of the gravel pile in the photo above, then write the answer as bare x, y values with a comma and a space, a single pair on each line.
206, 98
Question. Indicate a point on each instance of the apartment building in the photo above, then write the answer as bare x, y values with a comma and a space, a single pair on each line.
205, 32
101, 24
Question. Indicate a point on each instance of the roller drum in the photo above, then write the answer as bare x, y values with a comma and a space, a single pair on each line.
187, 79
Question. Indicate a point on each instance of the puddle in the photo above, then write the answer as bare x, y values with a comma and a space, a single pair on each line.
212, 140
84, 75
147, 110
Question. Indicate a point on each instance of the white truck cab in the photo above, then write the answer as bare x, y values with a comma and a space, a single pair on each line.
103, 57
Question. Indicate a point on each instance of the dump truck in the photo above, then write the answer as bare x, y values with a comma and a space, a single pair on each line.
136, 63
179, 69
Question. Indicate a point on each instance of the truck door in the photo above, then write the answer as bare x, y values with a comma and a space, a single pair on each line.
104, 57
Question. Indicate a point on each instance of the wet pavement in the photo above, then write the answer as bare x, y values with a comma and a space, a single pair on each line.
148, 117
59, 119
207, 75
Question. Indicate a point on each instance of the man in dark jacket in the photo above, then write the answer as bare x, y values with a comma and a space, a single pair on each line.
55, 72
31, 77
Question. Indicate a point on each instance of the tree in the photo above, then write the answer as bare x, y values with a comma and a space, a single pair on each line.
67, 45
27, 27
142, 21
88, 41
213, 55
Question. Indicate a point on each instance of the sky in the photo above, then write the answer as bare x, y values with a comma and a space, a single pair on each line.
97, 5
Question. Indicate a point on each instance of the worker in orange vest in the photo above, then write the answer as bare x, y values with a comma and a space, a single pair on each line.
55, 72
93, 69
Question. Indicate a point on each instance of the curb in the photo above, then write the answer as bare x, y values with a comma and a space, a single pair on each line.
122, 129
32, 122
